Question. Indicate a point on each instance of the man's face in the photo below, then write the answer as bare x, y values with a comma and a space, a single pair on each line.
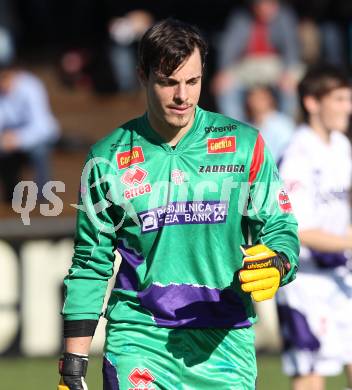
265, 10
335, 109
260, 101
6, 77
172, 100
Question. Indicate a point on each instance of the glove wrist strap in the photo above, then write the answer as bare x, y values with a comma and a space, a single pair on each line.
73, 365
285, 264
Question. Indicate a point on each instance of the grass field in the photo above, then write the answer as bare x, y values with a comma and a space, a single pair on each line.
41, 374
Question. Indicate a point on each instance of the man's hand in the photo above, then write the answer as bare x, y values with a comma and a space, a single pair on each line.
73, 369
262, 271
9, 141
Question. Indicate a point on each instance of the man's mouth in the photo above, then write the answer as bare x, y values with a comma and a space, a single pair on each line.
179, 109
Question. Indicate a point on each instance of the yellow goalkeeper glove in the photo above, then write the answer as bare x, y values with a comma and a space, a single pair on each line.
62, 385
262, 271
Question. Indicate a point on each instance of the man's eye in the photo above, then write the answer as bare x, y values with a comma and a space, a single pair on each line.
166, 82
193, 82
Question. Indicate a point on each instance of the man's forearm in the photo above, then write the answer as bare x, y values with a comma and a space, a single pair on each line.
325, 242
80, 345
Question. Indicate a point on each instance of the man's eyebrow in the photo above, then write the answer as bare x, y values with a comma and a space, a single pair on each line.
171, 79
194, 77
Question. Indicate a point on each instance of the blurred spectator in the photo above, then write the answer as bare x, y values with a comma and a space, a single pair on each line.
124, 33
7, 45
75, 68
275, 127
310, 41
259, 45
323, 30
111, 65
27, 128
314, 311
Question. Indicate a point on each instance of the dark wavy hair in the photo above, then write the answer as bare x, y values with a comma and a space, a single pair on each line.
319, 81
167, 44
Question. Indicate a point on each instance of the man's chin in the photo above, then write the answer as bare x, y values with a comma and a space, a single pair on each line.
341, 127
179, 121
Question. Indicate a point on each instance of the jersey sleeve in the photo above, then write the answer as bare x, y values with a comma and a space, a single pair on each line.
95, 243
269, 213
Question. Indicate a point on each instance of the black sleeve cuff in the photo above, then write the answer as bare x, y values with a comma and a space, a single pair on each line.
79, 328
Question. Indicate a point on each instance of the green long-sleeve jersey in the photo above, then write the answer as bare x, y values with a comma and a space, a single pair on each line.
177, 216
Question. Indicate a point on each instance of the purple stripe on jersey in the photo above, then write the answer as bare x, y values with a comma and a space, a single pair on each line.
328, 260
194, 307
295, 330
110, 380
127, 276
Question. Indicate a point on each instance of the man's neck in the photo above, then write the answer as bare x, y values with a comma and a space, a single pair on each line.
171, 135
260, 117
319, 129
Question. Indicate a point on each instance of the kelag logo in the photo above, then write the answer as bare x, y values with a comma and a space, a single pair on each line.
183, 213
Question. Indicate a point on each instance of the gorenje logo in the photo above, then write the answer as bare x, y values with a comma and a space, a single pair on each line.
220, 129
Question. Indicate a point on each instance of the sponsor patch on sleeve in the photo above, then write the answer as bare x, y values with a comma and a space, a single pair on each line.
284, 201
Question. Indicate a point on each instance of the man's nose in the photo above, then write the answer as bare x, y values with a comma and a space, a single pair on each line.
181, 92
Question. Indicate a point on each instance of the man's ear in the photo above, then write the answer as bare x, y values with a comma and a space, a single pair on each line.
142, 76
311, 104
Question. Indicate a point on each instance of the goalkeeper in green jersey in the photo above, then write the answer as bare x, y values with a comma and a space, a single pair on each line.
177, 192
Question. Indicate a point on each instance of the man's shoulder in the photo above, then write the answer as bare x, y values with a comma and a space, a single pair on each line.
341, 140
219, 124
303, 136
120, 138
27, 82
307, 151
26, 76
